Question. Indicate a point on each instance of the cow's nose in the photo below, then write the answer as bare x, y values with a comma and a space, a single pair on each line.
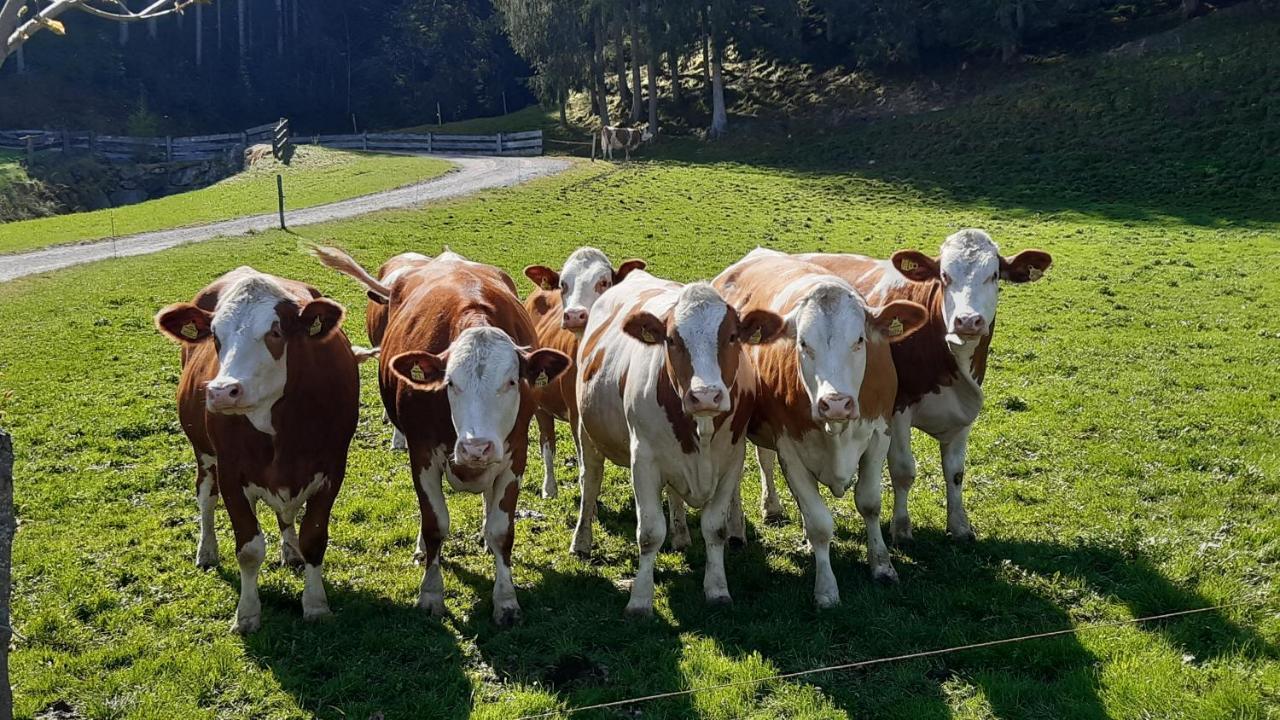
475, 451
574, 319
221, 395
705, 399
969, 324
835, 406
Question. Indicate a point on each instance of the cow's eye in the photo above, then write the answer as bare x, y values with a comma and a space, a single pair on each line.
946, 279
564, 287
511, 382
275, 333
994, 276
860, 342
733, 338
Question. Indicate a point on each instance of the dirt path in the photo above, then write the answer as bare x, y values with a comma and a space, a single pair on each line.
472, 175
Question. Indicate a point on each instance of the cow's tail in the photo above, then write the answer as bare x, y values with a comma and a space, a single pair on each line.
363, 353
337, 259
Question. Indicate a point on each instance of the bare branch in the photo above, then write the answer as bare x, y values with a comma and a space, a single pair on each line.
14, 32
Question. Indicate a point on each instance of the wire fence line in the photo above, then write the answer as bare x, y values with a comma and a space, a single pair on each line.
892, 659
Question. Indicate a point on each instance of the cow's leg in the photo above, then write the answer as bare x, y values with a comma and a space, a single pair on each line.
953, 455
314, 543
590, 474
435, 526
902, 471
398, 440
679, 526
207, 501
819, 527
866, 496
500, 533
715, 531
547, 443
651, 530
290, 553
770, 504
736, 524
251, 550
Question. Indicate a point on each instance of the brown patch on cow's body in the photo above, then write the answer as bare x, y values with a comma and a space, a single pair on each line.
557, 397
923, 361
508, 505
682, 426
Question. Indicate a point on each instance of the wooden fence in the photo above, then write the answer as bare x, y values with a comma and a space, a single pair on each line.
204, 147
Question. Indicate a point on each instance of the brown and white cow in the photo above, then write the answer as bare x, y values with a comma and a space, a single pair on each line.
269, 400
456, 372
375, 318
941, 367
665, 389
626, 139
559, 308
825, 395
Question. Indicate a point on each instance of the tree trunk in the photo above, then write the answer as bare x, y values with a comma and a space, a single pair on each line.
1191, 8
219, 11
295, 19
597, 72
243, 48
280, 28
637, 103
653, 93
562, 99
620, 64
151, 28
719, 116
706, 58
21, 60
674, 57
199, 35
8, 527
124, 34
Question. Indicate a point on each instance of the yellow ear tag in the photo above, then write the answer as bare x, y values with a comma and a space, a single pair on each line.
908, 265
189, 331
647, 336
895, 328
315, 327
542, 379
546, 284
1035, 273
417, 374
756, 337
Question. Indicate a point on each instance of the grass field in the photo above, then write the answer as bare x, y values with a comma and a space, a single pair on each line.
1126, 463
315, 177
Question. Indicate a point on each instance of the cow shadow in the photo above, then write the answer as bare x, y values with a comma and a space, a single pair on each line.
950, 595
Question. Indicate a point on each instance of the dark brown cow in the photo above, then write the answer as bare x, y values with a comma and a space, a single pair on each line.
456, 374
269, 400
941, 367
559, 308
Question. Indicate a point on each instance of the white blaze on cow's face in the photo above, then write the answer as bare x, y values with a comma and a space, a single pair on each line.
586, 275
481, 372
829, 328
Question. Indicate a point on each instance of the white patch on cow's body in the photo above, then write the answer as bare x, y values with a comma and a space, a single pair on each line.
431, 590
246, 312
889, 280
285, 504
207, 502
409, 257
315, 604
398, 440
483, 374
249, 609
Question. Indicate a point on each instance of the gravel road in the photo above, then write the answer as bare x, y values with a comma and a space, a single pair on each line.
472, 175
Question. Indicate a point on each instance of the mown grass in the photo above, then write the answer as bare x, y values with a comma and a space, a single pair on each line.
316, 176
1125, 465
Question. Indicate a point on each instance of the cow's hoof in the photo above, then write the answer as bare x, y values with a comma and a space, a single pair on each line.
433, 604
639, 609
737, 543
775, 518
549, 489
291, 558
900, 532
506, 616
419, 556
885, 575
316, 613
826, 601
207, 560
962, 534
719, 600
247, 624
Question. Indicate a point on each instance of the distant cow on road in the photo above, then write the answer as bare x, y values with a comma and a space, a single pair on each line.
625, 139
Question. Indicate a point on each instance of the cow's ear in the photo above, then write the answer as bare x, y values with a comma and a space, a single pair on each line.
422, 370
185, 323
1026, 266
645, 327
543, 276
320, 317
915, 265
625, 269
759, 327
897, 320
375, 297
544, 365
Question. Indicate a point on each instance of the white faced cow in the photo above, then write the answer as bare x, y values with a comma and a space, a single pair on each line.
269, 400
825, 393
456, 370
664, 389
559, 308
941, 367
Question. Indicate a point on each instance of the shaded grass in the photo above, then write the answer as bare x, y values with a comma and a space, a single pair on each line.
1136, 473
316, 176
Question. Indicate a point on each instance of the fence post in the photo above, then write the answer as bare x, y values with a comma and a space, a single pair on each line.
428, 141
168, 148
365, 140
8, 527
31, 149
499, 143
315, 139
280, 197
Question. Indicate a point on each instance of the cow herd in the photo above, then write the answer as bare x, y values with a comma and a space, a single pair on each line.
824, 362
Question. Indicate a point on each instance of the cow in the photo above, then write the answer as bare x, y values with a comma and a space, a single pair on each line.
825, 393
559, 308
456, 373
625, 139
375, 318
941, 367
664, 389
268, 398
